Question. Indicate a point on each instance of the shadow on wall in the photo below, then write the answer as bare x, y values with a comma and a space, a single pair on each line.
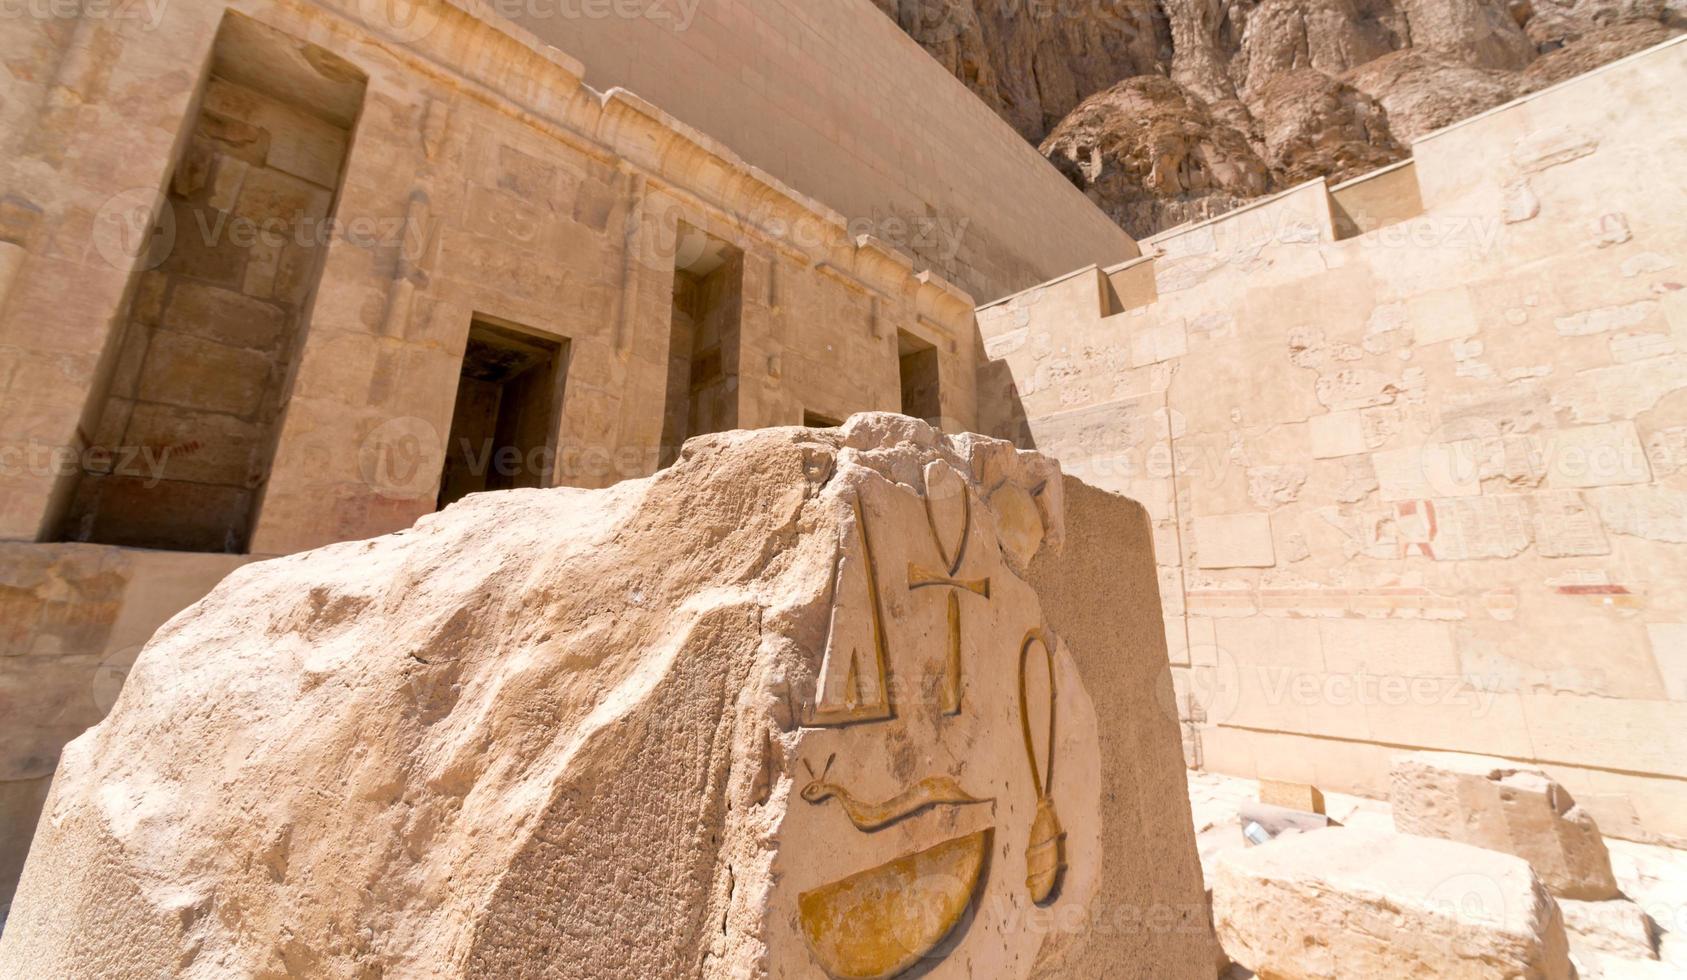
999, 390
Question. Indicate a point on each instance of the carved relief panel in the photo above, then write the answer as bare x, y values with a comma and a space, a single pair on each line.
944, 799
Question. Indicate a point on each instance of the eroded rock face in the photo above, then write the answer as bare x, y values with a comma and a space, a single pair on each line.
1599, 46
1344, 903
1222, 66
1034, 62
848, 702
1150, 153
1504, 807
1315, 126
1328, 36
1422, 91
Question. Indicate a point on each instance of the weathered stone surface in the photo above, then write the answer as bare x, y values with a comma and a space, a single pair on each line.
1234, 541
1617, 927
1034, 67
1329, 36
1599, 46
1505, 807
1474, 32
793, 707
1152, 154
1315, 126
72, 619
1345, 903
1620, 968
1424, 90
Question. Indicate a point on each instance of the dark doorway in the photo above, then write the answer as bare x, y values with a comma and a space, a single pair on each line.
703, 350
918, 364
183, 429
504, 425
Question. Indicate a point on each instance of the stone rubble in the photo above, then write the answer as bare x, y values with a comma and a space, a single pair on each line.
1505, 807
1637, 936
1341, 903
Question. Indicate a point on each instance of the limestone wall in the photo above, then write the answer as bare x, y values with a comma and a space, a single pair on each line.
839, 102
1419, 485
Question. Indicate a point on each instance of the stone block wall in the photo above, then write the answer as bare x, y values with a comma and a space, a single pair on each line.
1416, 471
212, 323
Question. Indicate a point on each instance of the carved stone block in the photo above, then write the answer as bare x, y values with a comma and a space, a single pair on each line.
808, 704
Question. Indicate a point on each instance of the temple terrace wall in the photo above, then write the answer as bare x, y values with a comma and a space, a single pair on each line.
1415, 448
836, 100
275, 275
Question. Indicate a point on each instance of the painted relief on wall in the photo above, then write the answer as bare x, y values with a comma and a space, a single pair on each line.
947, 735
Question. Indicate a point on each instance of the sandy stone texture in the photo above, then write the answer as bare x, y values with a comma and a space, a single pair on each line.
1615, 927
726, 721
1504, 807
1347, 903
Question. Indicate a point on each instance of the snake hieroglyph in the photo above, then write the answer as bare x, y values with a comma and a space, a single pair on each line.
868, 817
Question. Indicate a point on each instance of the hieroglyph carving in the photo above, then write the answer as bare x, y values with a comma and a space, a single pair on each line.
854, 696
941, 477
1045, 857
882, 921
869, 817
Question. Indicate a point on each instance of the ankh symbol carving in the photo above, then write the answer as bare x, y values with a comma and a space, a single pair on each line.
1045, 855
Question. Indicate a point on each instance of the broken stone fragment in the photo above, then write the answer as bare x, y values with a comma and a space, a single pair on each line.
1345, 904
1295, 796
1506, 807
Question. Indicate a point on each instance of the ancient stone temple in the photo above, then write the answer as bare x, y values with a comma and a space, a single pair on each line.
847, 703
274, 276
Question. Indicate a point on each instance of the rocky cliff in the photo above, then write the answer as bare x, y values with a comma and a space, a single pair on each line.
1166, 111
